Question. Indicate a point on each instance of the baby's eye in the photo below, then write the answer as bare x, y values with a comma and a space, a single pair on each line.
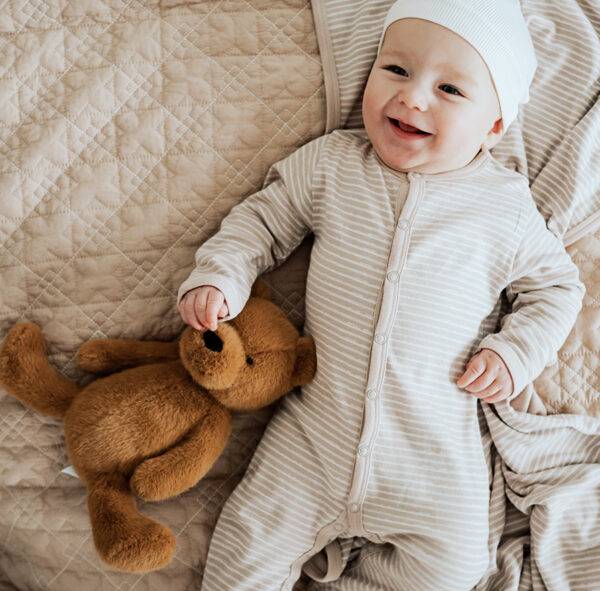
394, 68
457, 93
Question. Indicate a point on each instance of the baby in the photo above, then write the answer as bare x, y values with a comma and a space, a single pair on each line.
417, 231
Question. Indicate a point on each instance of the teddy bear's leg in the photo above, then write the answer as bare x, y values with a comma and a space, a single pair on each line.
27, 375
182, 466
106, 355
124, 538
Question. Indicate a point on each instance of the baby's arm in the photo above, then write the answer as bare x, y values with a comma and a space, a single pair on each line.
546, 296
260, 232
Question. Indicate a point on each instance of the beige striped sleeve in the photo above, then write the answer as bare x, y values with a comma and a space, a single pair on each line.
546, 296
259, 233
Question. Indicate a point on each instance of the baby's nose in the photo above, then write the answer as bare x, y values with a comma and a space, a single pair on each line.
212, 341
413, 96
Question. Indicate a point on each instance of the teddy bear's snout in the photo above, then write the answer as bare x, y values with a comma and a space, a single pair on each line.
213, 359
213, 341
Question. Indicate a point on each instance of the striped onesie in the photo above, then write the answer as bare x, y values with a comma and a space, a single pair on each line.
403, 287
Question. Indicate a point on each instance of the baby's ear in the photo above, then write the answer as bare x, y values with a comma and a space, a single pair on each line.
498, 128
494, 135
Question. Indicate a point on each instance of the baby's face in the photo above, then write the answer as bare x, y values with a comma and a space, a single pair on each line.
431, 78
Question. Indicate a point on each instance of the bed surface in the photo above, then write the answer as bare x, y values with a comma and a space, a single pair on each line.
128, 131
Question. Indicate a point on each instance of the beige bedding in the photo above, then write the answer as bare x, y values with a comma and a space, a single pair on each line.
128, 130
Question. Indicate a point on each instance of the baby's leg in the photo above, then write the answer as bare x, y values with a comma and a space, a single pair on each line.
275, 520
362, 574
405, 564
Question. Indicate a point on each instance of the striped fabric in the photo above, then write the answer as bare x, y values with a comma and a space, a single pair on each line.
404, 281
545, 474
555, 141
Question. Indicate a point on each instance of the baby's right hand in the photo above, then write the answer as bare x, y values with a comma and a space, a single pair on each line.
200, 307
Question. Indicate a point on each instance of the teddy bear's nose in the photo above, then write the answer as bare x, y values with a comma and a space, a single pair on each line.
213, 341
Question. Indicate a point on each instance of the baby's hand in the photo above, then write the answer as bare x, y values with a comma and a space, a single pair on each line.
496, 382
200, 307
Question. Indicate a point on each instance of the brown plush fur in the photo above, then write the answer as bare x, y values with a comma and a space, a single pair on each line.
157, 426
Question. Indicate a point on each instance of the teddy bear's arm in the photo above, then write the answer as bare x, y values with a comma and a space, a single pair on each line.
183, 465
106, 355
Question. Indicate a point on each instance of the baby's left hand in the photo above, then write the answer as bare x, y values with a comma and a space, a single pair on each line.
496, 382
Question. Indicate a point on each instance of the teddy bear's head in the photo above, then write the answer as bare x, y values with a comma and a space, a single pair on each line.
251, 360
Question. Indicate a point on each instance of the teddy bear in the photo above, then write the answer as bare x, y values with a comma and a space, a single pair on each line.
158, 416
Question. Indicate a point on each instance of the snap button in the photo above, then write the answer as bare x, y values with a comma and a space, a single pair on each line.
354, 507
371, 394
362, 450
403, 224
393, 276
380, 338
338, 527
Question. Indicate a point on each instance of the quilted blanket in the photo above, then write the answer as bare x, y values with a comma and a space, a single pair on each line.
129, 128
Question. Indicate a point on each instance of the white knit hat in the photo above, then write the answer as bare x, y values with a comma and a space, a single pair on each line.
496, 29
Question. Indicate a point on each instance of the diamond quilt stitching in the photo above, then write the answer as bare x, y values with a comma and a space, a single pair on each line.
115, 177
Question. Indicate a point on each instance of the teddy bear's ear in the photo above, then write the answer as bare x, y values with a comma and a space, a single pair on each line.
306, 361
260, 289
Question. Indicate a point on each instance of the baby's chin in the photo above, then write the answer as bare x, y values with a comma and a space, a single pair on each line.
404, 162
424, 161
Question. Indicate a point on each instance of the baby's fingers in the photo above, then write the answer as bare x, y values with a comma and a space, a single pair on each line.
501, 393
200, 309
187, 310
471, 380
214, 303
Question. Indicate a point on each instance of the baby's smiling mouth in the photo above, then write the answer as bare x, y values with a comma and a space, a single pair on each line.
407, 128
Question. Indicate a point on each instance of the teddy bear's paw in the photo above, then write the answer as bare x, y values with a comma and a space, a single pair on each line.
95, 356
146, 546
152, 482
23, 343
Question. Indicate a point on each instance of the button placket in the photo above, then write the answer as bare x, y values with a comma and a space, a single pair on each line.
380, 338
363, 450
384, 325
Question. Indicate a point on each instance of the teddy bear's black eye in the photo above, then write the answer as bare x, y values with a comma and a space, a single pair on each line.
249, 360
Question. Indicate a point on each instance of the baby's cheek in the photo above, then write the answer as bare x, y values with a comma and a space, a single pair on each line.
372, 100
368, 109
